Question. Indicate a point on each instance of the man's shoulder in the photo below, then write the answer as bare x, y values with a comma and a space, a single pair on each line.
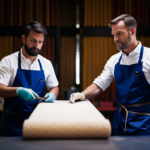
147, 49
113, 59
115, 56
146, 54
12, 56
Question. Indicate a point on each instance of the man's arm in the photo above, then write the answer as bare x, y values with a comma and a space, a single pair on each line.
103, 81
7, 91
55, 91
25, 93
91, 91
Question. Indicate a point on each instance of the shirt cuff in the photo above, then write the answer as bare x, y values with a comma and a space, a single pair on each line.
51, 86
3, 83
101, 83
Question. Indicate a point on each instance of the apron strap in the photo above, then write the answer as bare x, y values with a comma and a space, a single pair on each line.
137, 113
140, 58
40, 64
126, 115
138, 104
120, 59
141, 54
19, 62
11, 112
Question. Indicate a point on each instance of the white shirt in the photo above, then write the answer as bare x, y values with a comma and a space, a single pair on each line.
9, 66
106, 77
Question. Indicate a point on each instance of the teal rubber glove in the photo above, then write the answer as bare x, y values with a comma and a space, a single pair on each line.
50, 97
26, 94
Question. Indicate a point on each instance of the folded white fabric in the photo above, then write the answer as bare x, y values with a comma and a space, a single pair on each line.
76, 96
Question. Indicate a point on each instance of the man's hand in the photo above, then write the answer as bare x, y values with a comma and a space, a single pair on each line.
76, 96
50, 97
26, 94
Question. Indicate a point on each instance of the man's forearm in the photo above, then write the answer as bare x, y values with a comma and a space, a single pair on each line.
7, 91
55, 91
91, 91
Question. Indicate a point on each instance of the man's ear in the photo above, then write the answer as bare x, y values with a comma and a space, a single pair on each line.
133, 31
23, 39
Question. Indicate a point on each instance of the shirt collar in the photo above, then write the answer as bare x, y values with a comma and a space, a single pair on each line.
23, 57
135, 51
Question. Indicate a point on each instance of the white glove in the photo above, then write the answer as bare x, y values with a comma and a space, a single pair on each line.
76, 96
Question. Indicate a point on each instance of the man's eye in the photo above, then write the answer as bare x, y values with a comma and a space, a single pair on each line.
40, 42
32, 40
119, 33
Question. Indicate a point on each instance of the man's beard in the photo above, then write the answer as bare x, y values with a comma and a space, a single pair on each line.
124, 45
30, 51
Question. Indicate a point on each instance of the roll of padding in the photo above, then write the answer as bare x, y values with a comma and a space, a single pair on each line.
63, 119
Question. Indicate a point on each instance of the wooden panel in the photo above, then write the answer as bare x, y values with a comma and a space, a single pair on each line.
101, 12
28, 11
2, 12
105, 13
67, 64
93, 13
48, 13
89, 12
93, 53
85, 13
41, 11
105, 50
31, 11
20, 13
85, 60
109, 12
97, 57
97, 15
38, 11
101, 53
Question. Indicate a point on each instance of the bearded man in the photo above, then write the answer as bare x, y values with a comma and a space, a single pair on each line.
131, 70
23, 76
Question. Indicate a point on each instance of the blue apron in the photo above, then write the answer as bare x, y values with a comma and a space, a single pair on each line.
16, 109
132, 115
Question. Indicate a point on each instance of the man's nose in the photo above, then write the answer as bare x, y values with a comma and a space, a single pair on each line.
115, 38
36, 44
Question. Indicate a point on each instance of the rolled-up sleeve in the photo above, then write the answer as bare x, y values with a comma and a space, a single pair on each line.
106, 77
51, 80
5, 72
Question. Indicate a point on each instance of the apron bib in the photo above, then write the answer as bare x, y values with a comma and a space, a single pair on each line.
132, 115
16, 109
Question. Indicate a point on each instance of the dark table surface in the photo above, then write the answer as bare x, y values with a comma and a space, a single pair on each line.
113, 143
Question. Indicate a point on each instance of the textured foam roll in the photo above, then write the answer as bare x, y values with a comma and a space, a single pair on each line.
63, 119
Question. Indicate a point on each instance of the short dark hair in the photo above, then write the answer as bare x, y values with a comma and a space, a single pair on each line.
129, 21
36, 27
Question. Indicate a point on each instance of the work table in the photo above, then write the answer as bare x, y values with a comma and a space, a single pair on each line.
113, 143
